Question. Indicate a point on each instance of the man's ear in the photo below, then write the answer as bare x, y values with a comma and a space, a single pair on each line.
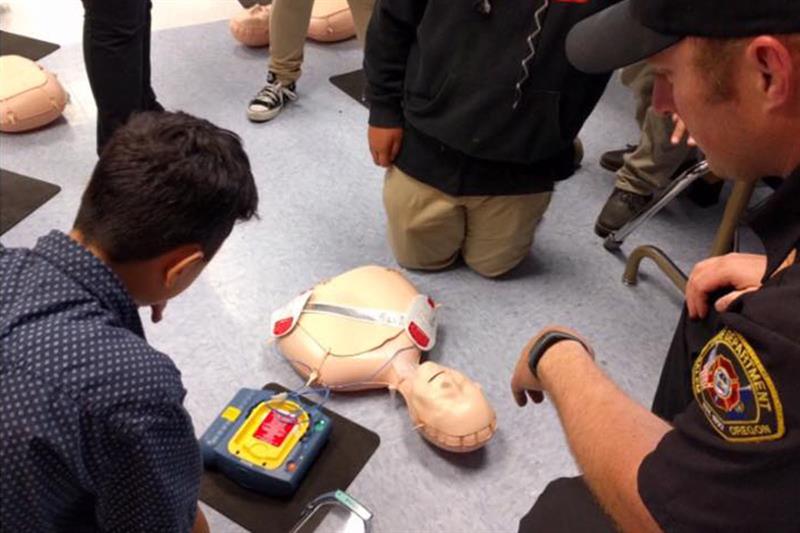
180, 261
774, 62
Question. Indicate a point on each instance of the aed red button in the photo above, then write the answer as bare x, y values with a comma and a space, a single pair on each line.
291, 466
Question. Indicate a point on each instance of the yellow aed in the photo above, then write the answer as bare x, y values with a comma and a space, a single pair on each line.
270, 433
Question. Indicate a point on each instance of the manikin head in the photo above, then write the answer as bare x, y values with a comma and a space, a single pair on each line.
730, 70
163, 197
449, 408
355, 332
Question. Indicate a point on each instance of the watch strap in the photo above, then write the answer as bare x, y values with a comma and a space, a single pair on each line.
546, 342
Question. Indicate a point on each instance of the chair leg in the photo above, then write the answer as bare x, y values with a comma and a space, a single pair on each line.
661, 260
736, 205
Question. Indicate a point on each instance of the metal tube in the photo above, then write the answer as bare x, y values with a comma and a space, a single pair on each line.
734, 207
675, 274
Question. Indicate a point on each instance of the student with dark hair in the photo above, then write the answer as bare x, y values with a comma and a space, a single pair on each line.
94, 433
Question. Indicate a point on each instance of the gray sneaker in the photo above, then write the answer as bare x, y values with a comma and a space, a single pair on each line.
621, 207
270, 100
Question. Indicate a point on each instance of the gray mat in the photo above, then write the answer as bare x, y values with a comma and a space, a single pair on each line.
20, 196
33, 49
321, 214
353, 84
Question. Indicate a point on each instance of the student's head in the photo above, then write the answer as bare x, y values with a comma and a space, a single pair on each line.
162, 199
729, 68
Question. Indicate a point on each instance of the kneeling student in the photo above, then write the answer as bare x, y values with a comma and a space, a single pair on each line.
474, 110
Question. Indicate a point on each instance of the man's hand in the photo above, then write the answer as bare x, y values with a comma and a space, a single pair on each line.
741, 272
523, 381
157, 311
680, 131
384, 144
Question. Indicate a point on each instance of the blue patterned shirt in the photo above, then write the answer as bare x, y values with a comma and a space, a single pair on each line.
93, 433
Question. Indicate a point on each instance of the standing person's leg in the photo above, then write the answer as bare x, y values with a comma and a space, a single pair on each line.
115, 39
500, 230
425, 226
288, 26
361, 11
149, 100
651, 165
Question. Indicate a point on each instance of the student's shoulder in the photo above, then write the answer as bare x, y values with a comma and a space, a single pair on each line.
121, 368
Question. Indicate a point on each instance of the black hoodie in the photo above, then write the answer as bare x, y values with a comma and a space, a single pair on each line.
486, 78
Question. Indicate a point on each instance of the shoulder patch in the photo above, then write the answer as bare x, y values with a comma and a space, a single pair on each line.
735, 392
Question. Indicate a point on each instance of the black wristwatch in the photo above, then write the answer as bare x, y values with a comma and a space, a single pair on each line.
546, 342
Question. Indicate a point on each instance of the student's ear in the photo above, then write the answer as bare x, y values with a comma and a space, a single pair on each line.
182, 262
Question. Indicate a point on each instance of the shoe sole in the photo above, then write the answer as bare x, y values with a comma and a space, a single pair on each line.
610, 168
263, 116
602, 231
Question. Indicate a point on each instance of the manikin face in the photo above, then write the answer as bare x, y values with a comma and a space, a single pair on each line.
724, 130
448, 402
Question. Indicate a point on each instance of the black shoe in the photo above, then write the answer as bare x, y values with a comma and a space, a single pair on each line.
621, 207
270, 100
612, 160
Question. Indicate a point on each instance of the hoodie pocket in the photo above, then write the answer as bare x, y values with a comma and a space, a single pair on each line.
479, 119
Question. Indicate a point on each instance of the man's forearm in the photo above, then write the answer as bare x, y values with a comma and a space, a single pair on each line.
609, 433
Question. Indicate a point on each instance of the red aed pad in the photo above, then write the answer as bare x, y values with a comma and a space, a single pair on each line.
274, 429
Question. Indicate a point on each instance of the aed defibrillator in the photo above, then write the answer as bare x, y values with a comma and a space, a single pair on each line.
266, 441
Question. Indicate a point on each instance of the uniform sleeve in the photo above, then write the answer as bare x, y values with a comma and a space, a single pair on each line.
732, 461
146, 467
391, 34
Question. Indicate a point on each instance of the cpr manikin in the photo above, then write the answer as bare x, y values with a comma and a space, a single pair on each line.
367, 329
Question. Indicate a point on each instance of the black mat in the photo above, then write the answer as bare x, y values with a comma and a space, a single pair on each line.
353, 84
33, 49
348, 450
20, 196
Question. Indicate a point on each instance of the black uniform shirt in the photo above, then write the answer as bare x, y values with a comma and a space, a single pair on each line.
732, 463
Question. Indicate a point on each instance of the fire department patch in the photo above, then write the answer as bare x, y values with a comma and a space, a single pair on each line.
735, 392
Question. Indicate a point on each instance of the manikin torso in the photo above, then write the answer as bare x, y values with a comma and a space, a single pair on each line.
366, 329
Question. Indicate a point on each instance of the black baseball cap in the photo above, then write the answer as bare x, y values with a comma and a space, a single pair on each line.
632, 30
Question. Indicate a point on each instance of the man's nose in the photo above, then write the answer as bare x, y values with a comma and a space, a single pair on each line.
662, 96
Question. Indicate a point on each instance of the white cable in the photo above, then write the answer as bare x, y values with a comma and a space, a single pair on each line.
525, 71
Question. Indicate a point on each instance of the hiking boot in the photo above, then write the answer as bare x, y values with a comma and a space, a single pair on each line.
621, 207
612, 160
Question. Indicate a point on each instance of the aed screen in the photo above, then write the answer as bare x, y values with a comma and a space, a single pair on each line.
274, 429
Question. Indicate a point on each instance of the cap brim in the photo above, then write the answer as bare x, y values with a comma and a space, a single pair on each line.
611, 39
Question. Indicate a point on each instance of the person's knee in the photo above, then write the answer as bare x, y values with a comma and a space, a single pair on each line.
495, 265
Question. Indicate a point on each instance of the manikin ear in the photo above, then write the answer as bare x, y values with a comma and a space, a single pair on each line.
778, 76
181, 262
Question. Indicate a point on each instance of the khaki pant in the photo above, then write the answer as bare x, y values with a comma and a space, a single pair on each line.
428, 229
651, 166
288, 26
